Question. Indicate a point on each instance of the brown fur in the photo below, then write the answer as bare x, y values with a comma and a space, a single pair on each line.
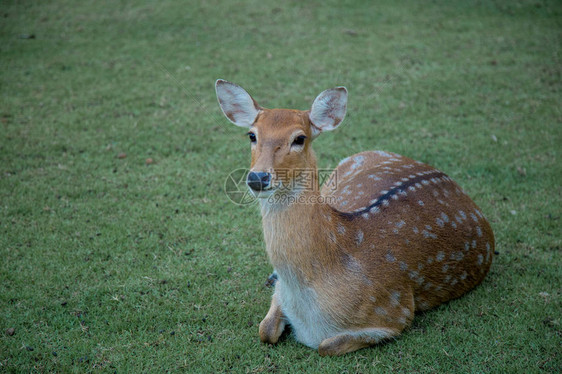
369, 269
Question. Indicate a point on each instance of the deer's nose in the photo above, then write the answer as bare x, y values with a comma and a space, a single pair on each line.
258, 181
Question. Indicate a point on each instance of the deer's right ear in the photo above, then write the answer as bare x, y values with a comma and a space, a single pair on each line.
236, 104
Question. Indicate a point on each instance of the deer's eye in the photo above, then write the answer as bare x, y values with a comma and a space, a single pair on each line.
299, 140
252, 137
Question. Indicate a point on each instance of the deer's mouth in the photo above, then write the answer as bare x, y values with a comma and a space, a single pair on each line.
265, 192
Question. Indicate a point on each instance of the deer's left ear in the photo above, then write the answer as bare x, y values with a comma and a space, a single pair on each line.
328, 110
236, 104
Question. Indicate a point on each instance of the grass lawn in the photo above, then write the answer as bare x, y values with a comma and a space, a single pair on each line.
119, 250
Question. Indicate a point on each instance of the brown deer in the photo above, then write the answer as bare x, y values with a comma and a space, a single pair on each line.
355, 263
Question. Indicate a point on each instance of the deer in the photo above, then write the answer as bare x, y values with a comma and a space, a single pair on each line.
353, 262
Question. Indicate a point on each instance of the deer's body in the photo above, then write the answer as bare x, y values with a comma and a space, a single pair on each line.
395, 236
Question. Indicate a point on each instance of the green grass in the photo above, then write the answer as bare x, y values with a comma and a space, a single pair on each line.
110, 264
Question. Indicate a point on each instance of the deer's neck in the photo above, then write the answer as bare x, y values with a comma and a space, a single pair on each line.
297, 231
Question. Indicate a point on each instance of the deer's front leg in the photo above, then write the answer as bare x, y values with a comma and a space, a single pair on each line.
273, 324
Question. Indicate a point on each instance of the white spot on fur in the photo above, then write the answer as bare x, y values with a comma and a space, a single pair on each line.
383, 153
480, 259
341, 228
395, 298
380, 311
428, 234
478, 231
440, 256
420, 203
359, 237
389, 257
445, 268
457, 256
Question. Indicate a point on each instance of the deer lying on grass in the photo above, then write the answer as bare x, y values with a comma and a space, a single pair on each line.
398, 236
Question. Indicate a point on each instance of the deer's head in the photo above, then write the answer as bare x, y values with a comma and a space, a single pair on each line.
280, 139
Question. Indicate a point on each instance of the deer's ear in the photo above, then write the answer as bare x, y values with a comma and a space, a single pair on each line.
328, 110
236, 104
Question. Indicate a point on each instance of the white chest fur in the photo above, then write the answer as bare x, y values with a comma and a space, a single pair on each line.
300, 306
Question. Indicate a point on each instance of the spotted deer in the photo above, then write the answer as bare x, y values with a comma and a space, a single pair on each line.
354, 262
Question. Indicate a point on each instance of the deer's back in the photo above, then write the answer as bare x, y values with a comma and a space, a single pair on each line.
409, 224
